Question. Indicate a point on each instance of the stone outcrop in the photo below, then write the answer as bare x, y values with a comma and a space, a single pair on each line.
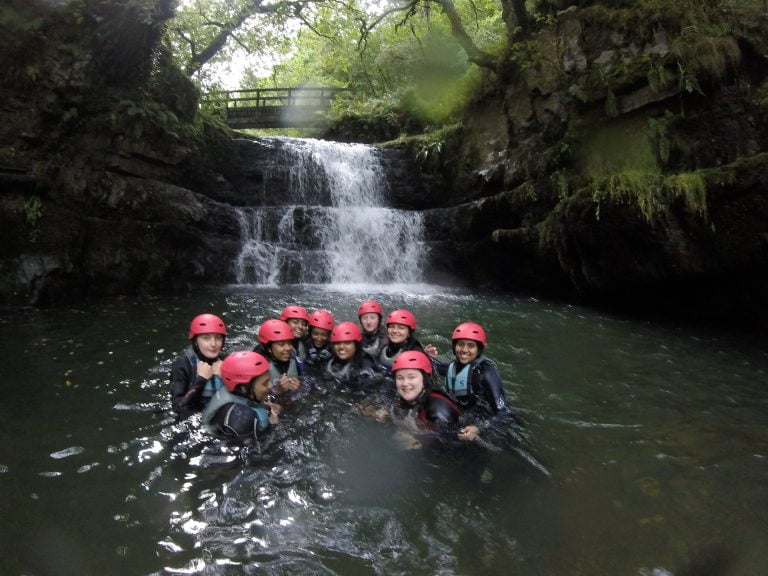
142, 221
124, 228
610, 185
618, 161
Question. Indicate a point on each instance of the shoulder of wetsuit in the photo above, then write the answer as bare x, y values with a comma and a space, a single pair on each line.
440, 407
189, 354
239, 420
413, 344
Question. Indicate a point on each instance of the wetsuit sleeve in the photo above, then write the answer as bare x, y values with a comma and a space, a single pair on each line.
370, 373
184, 396
300, 367
414, 344
441, 409
493, 389
440, 366
490, 386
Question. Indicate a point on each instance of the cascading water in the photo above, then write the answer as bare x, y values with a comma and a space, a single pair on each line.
334, 227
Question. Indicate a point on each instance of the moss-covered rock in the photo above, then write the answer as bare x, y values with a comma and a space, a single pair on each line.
636, 131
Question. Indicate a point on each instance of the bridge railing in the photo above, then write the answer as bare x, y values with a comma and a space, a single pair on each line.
250, 103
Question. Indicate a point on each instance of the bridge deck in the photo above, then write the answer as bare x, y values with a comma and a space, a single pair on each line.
272, 107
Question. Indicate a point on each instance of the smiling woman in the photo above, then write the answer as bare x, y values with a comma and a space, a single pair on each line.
349, 363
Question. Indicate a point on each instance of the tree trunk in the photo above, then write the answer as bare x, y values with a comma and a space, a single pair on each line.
475, 55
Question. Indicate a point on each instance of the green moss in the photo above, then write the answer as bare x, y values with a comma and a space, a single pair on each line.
33, 211
625, 145
432, 150
652, 193
703, 52
702, 48
622, 163
691, 188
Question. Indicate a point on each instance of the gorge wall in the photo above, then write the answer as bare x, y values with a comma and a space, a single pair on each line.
619, 161
621, 165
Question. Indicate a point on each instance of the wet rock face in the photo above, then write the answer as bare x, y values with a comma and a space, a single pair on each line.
112, 233
139, 224
548, 223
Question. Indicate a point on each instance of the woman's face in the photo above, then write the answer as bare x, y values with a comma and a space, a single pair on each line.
398, 333
298, 327
319, 336
210, 345
281, 350
369, 322
260, 386
465, 350
344, 350
410, 383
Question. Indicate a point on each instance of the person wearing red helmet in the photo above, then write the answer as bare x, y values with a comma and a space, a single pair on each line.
321, 324
401, 326
472, 380
349, 363
240, 409
420, 407
298, 319
370, 315
196, 374
276, 344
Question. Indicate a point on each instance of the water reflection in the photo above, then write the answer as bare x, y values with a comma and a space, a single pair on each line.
642, 451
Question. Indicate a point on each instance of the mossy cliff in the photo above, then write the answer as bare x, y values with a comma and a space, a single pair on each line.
618, 160
103, 157
616, 156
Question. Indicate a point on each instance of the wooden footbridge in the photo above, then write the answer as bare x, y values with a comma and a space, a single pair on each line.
271, 107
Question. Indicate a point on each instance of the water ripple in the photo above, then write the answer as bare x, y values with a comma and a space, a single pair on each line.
67, 452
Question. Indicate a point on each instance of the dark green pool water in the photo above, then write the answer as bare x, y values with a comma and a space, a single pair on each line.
645, 451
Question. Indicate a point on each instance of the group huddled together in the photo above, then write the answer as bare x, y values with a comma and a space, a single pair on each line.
242, 394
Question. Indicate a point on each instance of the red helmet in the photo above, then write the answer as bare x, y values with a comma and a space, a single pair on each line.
470, 331
294, 312
402, 317
207, 324
346, 332
370, 307
274, 331
412, 359
242, 367
321, 319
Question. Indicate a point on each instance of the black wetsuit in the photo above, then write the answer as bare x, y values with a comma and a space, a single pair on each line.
374, 341
300, 347
317, 358
292, 368
389, 352
190, 392
361, 371
232, 416
432, 411
476, 387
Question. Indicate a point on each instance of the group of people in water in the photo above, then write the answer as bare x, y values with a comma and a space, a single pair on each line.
242, 394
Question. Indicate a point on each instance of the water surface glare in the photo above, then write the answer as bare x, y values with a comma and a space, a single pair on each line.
645, 451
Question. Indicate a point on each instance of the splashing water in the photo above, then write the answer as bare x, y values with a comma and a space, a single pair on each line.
334, 228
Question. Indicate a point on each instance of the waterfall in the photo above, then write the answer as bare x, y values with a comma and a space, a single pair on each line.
333, 227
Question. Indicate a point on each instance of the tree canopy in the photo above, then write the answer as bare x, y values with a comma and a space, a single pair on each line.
415, 54
209, 31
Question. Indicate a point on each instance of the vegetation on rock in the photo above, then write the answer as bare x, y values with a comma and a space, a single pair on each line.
604, 144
